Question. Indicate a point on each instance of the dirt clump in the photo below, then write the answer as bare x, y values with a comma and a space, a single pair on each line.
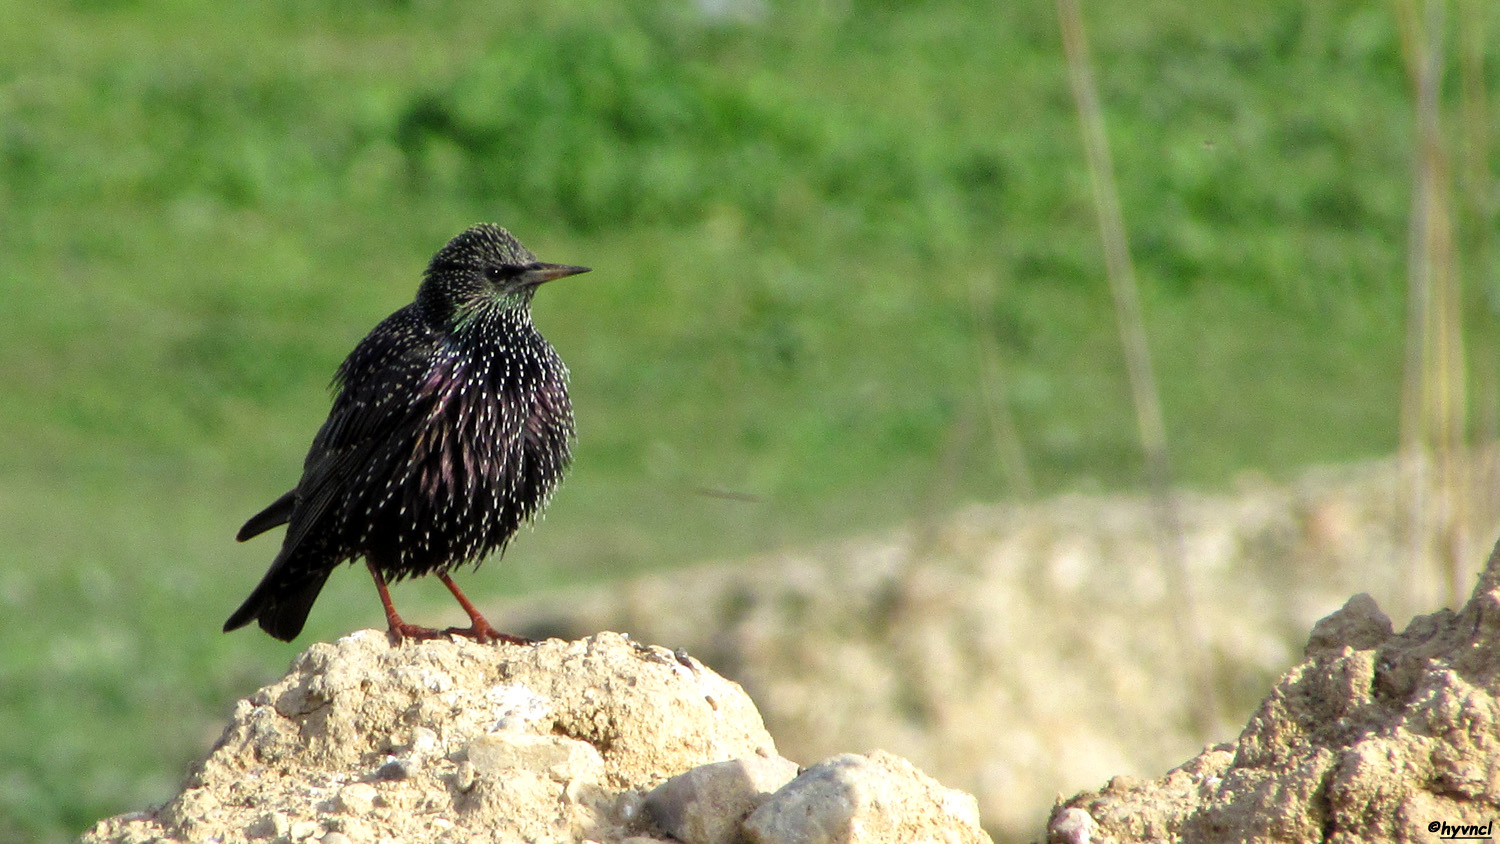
452, 741
1022, 651
1375, 737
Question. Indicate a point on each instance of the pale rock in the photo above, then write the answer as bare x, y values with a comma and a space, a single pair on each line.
424, 742
357, 798
1072, 826
869, 799
708, 804
562, 759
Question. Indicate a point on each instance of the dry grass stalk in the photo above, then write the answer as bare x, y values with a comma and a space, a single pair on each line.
1003, 428
1143, 388
1434, 414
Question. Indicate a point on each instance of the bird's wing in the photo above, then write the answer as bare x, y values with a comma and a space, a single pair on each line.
278, 512
377, 412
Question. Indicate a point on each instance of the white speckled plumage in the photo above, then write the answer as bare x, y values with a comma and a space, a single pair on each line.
451, 425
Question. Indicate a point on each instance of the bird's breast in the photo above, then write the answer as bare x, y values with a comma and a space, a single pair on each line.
491, 417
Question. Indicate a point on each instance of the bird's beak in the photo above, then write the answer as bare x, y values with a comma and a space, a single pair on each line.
543, 273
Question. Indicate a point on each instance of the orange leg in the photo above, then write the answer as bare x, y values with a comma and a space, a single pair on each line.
399, 630
480, 630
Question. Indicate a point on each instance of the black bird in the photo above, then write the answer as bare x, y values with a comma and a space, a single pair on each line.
450, 426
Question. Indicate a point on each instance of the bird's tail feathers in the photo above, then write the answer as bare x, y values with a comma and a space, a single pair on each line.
279, 512
280, 603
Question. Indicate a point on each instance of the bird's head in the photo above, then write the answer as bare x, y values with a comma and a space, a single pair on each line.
482, 271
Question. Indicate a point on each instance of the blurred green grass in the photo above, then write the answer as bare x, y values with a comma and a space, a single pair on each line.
203, 207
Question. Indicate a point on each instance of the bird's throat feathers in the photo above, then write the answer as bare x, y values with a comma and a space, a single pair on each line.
512, 308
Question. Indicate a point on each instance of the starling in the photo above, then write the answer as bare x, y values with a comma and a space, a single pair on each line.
450, 426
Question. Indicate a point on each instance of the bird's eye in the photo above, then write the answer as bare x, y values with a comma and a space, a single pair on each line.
505, 272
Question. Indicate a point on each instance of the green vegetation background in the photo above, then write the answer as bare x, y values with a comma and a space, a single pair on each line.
808, 223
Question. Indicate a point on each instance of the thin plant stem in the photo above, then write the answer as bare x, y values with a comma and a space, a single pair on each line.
1143, 389
1434, 409
1003, 428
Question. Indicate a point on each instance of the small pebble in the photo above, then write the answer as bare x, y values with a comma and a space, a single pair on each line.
279, 825
357, 798
1072, 826
303, 830
573, 792
337, 838
629, 805
463, 778
424, 741
356, 830
395, 769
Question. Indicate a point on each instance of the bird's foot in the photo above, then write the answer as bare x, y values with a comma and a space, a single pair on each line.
400, 631
484, 634
479, 629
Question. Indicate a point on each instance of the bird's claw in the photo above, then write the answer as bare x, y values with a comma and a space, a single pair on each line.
487, 635
403, 631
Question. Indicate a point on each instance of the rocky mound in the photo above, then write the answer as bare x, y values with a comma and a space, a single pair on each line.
601, 739
1049, 624
1375, 737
